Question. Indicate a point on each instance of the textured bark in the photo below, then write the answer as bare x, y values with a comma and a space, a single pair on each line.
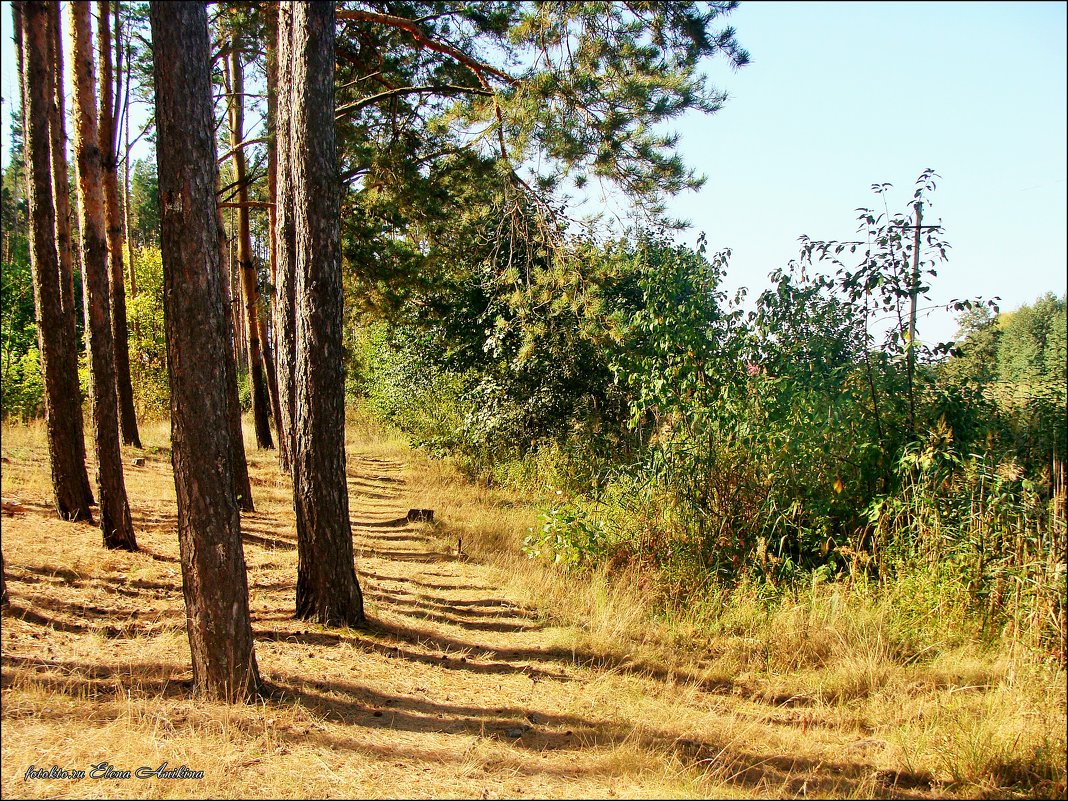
327, 589
113, 216
280, 422
209, 527
56, 339
115, 521
242, 483
246, 266
284, 256
61, 193
126, 222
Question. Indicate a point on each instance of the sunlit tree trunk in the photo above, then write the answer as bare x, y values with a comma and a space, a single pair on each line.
246, 265
284, 244
280, 419
327, 589
242, 483
61, 192
115, 520
109, 157
55, 335
209, 528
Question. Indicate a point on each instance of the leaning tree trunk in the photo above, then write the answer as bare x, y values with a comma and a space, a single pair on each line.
55, 339
209, 527
327, 589
246, 266
109, 154
115, 518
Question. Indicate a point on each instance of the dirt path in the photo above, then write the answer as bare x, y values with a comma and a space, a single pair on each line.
455, 690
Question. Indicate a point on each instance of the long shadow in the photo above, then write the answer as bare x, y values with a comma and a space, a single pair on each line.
366, 536
394, 651
408, 556
159, 557
30, 616
271, 543
68, 576
477, 609
425, 584
412, 714
77, 679
579, 658
426, 614
396, 522
362, 492
355, 705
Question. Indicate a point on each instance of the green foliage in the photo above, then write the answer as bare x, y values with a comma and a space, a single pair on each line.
148, 339
144, 203
569, 537
21, 384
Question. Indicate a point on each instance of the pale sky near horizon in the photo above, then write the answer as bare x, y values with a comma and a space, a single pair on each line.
843, 95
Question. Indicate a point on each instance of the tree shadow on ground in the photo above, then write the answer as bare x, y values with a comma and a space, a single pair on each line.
535, 732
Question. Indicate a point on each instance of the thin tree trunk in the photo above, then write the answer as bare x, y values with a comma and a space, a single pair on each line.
327, 589
130, 249
242, 483
108, 151
61, 192
115, 521
59, 360
214, 578
284, 255
280, 420
246, 264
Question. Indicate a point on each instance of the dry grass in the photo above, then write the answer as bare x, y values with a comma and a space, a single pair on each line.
483, 674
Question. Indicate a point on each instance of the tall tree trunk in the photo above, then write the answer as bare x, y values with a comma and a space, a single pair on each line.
109, 154
127, 225
280, 421
61, 192
284, 254
209, 526
327, 589
246, 265
59, 359
115, 521
242, 483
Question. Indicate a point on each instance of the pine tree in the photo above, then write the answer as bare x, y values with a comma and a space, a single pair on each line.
57, 345
213, 568
115, 519
327, 588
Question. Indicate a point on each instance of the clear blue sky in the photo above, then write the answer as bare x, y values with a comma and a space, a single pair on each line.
843, 95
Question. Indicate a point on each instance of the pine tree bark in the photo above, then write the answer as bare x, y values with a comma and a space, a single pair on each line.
284, 462
242, 483
113, 216
246, 265
284, 321
209, 528
327, 589
115, 520
56, 340
126, 221
61, 193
